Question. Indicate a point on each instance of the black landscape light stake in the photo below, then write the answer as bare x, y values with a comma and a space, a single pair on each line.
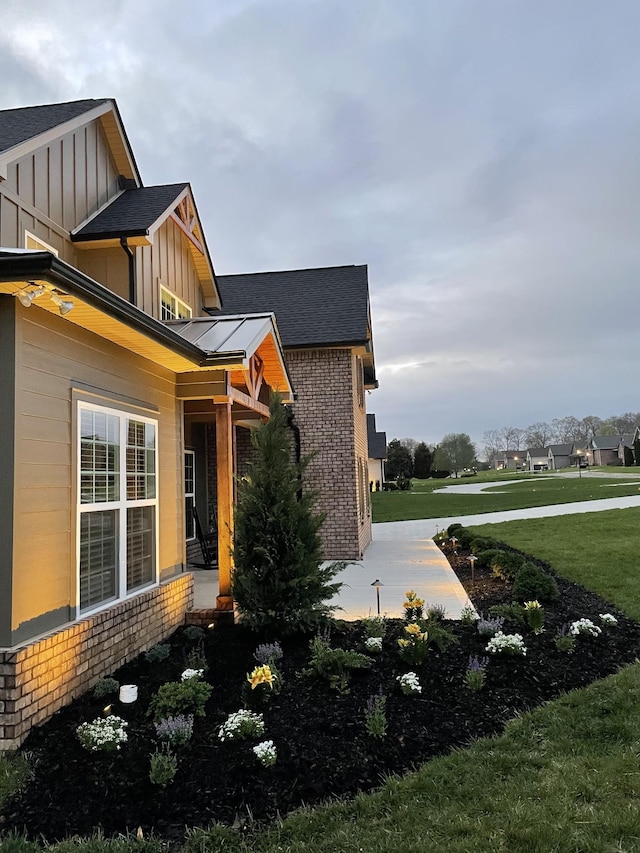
377, 585
472, 560
454, 542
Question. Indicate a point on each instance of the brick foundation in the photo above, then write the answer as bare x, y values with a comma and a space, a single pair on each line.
38, 679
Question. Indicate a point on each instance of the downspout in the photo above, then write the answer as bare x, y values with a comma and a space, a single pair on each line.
132, 269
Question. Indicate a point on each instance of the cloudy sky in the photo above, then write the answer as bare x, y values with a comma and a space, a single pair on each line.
481, 156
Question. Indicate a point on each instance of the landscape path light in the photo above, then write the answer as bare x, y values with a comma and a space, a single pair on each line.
472, 560
454, 543
377, 585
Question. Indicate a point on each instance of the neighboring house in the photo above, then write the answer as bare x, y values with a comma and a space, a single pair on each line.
122, 404
559, 455
377, 445
609, 449
513, 460
537, 459
325, 323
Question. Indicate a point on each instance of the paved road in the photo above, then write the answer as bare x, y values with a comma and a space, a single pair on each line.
426, 528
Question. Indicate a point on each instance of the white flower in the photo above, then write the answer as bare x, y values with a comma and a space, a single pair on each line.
103, 733
409, 683
584, 626
241, 724
608, 619
374, 644
266, 753
511, 644
191, 673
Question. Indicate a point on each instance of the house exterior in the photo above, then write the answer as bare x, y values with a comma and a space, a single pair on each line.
117, 390
324, 320
609, 449
559, 455
537, 459
514, 460
377, 449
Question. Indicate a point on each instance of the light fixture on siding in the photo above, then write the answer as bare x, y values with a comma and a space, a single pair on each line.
64, 306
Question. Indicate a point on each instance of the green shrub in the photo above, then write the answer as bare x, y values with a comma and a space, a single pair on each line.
106, 687
513, 613
465, 538
452, 529
485, 558
334, 665
163, 768
532, 583
506, 565
481, 543
158, 653
194, 634
177, 698
438, 635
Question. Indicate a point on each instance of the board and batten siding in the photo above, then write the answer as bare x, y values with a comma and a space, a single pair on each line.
66, 180
167, 262
50, 365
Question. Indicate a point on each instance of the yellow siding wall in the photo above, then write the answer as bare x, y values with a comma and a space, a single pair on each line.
49, 365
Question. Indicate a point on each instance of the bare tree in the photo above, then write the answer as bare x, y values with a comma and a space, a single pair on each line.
512, 437
538, 434
492, 445
410, 444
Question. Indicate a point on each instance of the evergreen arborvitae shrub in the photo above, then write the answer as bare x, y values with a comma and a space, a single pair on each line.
452, 529
279, 583
465, 538
506, 564
533, 584
485, 558
481, 543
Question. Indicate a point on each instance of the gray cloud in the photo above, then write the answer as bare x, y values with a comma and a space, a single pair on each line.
480, 156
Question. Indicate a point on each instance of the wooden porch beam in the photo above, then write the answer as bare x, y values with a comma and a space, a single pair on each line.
248, 402
224, 474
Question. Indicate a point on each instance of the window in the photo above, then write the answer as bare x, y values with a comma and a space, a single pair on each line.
189, 494
117, 504
359, 382
32, 242
173, 308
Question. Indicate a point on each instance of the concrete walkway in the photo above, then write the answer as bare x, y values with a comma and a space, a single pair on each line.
403, 556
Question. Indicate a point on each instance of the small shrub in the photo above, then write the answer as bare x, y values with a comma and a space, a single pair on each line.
176, 731
334, 665
106, 687
439, 636
436, 612
158, 653
564, 641
163, 767
266, 753
532, 583
104, 734
374, 626
534, 615
489, 627
177, 698
506, 565
475, 675
452, 529
465, 538
196, 659
468, 615
482, 543
375, 716
242, 724
512, 613
485, 558
506, 644
194, 634
409, 683
268, 653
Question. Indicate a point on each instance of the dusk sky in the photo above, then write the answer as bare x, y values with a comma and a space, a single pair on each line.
481, 156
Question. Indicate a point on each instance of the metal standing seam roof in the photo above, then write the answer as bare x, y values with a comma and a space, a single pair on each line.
132, 213
23, 123
323, 306
230, 334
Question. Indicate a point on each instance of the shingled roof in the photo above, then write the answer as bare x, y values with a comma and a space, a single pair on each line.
377, 441
130, 214
313, 307
19, 125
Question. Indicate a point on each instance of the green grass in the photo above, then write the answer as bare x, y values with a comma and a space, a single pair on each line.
598, 550
427, 501
15, 770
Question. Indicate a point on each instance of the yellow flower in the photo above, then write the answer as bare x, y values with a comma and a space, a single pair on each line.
261, 675
413, 628
403, 643
532, 605
410, 595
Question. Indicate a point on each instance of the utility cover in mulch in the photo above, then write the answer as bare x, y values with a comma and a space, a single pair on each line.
323, 748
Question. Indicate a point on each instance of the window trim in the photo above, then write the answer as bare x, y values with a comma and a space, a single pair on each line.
42, 246
120, 506
192, 494
187, 309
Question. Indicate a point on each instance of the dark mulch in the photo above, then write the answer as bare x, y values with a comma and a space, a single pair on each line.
323, 748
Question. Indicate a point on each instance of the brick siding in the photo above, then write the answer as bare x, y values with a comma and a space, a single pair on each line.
38, 679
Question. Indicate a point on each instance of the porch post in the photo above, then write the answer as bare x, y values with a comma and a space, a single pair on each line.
224, 462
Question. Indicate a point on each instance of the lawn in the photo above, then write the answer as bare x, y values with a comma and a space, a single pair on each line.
562, 778
426, 499
599, 550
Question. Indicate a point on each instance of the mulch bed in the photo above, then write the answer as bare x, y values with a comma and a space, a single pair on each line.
323, 748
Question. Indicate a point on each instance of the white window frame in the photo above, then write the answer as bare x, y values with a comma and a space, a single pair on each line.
120, 506
191, 494
180, 310
41, 245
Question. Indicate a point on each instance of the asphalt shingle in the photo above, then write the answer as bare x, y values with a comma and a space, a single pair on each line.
131, 213
24, 123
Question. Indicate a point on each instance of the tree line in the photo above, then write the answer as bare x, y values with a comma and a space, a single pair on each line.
408, 458
558, 431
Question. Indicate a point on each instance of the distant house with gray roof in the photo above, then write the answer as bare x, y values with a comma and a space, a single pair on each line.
377, 445
559, 455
